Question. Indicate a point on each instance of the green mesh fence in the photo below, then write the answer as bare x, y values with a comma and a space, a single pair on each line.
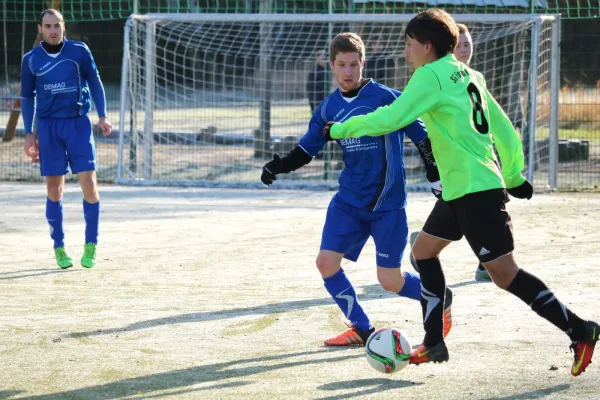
100, 10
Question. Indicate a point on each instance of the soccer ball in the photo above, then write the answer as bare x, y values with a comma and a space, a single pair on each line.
388, 350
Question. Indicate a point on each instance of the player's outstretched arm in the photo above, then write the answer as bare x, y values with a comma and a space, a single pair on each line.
282, 165
420, 95
510, 150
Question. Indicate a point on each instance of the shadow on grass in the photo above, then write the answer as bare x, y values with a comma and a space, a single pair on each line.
370, 292
368, 386
536, 394
211, 373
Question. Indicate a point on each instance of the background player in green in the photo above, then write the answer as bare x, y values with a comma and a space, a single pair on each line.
461, 116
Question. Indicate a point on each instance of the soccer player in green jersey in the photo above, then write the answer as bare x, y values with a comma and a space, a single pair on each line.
461, 116
463, 53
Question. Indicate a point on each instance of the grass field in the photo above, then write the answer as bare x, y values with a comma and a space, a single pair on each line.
213, 294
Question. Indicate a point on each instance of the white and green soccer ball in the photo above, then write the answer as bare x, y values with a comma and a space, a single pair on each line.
388, 350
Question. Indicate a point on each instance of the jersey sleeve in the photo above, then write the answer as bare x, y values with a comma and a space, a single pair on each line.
422, 93
27, 95
507, 143
313, 140
416, 131
92, 76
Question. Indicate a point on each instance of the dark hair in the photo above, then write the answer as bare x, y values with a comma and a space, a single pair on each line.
346, 42
462, 28
51, 11
436, 27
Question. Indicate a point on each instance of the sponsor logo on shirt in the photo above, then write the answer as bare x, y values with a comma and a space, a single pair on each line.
54, 86
354, 144
59, 87
349, 142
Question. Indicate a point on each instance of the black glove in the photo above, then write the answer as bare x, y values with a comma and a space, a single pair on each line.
326, 131
271, 169
523, 191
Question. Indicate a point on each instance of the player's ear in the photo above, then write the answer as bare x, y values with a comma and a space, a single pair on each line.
428, 48
39, 29
331, 64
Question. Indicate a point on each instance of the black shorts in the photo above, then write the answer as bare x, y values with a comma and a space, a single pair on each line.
481, 217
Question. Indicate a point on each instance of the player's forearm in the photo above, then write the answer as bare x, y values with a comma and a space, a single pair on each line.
98, 95
295, 159
27, 95
509, 145
28, 111
418, 97
382, 121
426, 153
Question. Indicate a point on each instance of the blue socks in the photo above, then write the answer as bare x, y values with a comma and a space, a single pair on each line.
54, 215
91, 214
341, 290
412, 286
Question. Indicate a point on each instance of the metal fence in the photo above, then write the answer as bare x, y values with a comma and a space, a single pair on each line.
102, 28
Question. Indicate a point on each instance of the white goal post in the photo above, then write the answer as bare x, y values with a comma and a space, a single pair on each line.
206, 99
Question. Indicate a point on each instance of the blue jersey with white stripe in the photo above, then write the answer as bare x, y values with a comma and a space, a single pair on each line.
374, 176
62, 84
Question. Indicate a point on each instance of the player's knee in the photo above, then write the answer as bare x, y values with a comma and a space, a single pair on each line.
393, 285
55, 192
326, 265
90, 189
428, 246
503, 271
421, 251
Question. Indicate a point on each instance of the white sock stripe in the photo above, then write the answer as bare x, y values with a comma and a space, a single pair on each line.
427, 292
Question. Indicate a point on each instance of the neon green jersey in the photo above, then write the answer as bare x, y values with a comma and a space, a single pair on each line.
460, 116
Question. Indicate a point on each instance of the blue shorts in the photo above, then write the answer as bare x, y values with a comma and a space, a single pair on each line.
348, 228
66, 142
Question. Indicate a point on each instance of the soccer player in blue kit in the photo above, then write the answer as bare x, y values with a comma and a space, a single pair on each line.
58, 80
371, 199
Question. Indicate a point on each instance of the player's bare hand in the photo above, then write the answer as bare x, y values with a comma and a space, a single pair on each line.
327, 131
105, 125
31, 147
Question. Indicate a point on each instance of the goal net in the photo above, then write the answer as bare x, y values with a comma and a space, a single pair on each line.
206, 99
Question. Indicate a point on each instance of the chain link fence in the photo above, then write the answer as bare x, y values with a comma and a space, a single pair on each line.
100, 24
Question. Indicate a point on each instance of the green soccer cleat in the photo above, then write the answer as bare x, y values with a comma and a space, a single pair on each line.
88, 260
481, 275
62, 258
